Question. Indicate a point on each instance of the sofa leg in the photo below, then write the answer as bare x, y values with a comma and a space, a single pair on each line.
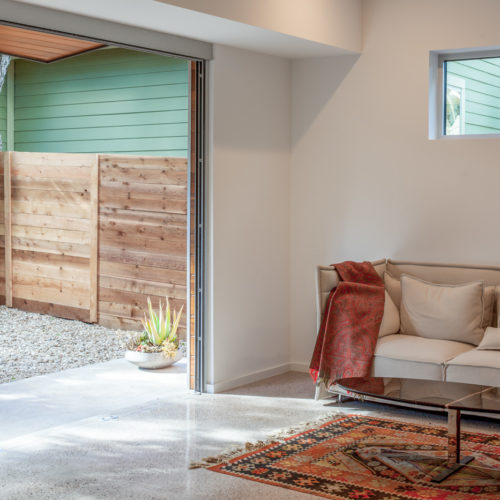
318, 390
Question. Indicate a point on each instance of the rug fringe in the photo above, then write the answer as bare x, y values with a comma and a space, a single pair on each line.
277, 437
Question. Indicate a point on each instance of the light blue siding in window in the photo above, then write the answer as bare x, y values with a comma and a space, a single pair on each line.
480, 79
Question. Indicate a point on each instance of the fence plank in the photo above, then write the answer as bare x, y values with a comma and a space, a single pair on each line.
51, 222
49, 234
144, 287
55, 247
57, 310
64, 296
156, 218
52, 184
124, 256
50, 259
147, 273
52, 209
113, 321
63, 271
142, 243
114, 228
58, 285
80, 198
175, 176
171, 201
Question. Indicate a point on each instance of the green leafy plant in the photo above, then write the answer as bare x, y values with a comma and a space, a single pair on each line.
160, 330
163, 326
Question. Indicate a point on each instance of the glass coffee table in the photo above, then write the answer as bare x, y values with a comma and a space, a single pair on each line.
426, 395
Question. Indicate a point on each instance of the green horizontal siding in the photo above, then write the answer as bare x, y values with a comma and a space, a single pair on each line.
107, 133
108, 101
3, 116
88, 121
102, 82
481, 79
106, 145
106, 108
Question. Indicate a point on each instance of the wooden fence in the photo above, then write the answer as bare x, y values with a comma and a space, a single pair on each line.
90, 237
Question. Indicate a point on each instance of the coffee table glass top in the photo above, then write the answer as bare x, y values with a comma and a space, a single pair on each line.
451, 397
444, 395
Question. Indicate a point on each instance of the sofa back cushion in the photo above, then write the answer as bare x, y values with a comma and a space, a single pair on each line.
454, 274
491, 340
445, 273
393, 287
447, 312
491, 298
390, 320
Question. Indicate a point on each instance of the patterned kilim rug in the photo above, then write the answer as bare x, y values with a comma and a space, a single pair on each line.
337, 460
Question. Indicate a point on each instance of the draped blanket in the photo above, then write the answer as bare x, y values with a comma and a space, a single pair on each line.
351, 321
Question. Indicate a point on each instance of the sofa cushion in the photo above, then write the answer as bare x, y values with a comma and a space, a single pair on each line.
393, 287
475, 367
390, 319
491, 340
409, 356
491, 298
446, 312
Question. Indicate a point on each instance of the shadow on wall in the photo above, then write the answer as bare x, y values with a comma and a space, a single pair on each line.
316, 87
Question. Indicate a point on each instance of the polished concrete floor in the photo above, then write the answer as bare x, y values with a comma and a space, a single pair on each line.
111, 431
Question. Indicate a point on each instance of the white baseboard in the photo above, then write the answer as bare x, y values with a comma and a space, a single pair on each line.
299, 367
226, 385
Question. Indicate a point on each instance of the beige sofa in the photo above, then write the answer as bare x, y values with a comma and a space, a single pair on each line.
411, 356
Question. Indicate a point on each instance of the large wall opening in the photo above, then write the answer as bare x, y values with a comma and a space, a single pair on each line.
97, 196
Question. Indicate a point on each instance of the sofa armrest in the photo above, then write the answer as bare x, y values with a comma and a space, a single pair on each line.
328, 278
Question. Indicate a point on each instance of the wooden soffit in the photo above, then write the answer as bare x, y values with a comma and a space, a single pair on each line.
42, 47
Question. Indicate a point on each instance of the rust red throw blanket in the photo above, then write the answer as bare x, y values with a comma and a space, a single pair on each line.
350, 325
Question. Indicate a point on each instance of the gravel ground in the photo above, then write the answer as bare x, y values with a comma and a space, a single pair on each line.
36, 344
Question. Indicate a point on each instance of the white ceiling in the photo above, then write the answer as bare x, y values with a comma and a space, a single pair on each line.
188, 23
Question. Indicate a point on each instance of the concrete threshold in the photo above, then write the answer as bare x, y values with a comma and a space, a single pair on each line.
102, 389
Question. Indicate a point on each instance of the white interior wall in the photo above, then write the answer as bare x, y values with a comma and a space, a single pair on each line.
248, 226
366, 182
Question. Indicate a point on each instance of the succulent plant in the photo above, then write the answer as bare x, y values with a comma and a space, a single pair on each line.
160, 331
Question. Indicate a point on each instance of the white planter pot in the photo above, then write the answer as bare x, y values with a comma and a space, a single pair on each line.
151, 360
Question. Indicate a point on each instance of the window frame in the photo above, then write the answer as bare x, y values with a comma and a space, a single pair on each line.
437, 89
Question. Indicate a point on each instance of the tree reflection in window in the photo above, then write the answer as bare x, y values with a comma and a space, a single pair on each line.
454, 110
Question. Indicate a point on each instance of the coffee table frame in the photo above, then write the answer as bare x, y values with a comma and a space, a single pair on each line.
453, 462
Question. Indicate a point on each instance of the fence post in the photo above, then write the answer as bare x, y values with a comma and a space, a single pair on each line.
94, 238
8, 227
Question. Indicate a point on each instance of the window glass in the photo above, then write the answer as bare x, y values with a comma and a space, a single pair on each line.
472, 97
